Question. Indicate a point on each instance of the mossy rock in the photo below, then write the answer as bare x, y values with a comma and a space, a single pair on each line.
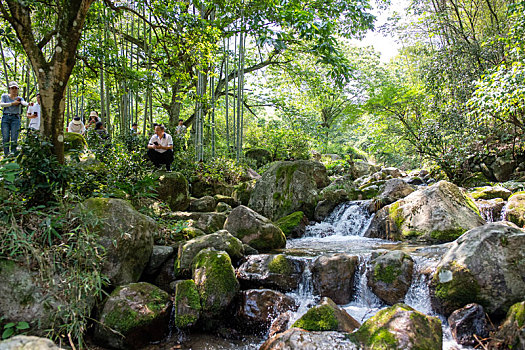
390, 275
74, 142
133, 315
243, 191
511, 334
490, 192
382, 331
293, 225
173, 190
214, 276
326, 317
187, 305
515, 211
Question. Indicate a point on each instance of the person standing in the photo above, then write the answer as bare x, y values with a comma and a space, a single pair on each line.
12, 104
160, 148
180, 130
33, 114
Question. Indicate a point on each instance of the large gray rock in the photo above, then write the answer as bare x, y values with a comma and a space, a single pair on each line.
295, 338
395, 189
515, 211
287, 187
254, 229
159, 255
173, 190
24, 342
214, 276
207, 222
486, 266
127, 236
133, 316
259, 307
333, 276
439, 213
220, 240
390, 275
204, 204
279, 272
400, 327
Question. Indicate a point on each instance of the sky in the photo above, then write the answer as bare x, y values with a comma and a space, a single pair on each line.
386, 45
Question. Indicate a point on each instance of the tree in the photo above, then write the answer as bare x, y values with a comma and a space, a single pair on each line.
54, 69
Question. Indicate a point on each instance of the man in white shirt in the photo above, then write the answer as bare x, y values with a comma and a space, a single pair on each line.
160, 148
33, 114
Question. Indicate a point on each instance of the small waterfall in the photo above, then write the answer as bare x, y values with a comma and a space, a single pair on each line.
503, 212
303, 295
418, 295
347, 219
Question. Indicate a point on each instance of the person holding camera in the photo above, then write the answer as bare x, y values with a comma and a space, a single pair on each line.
33, 114
160, 148
12, 104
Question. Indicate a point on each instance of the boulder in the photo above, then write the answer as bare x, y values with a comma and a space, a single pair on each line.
200, 188
468, 322
327, 316
486, 266
400, 327
207, 222
490, 192
333, 276
259, 307
295, 338
261, 156
74, 142
511, 334
439, 213
24, 342
390, 275
173, 190
254, 229
159, 255
223, 208
515, 211
280, 324
133, 315
215, 279
332, 196
360, 169
395, 189
287, 187
220, 240
243, 192
279, 272
219, 198
293, 225
187, 304
127, 236
204, 204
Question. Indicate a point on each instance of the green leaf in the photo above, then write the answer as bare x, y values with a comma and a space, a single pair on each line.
22, 325
7, 333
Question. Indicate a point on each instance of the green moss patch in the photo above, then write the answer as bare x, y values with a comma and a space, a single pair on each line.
288, 223
280, 265
319, 318
187, 304
386, 274
447, 235
517, 312
461, 290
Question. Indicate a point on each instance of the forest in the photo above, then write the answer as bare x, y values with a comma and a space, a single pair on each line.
266, 89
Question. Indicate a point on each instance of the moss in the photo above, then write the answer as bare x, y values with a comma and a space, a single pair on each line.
74, 141
187, 296
447, 235
219, 281
99, 206
396, 214
462, 289
280, 265
517, 312
288, 223
386, 274
319, 318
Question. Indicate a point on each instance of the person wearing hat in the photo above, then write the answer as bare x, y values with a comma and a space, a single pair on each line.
76, 126
93, 119
12, 104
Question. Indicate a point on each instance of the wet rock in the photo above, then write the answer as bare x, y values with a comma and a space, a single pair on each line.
207, 222
173, 190
467, 322
327, 316
127, 236
159, 255
293, 225
254, 229
516, 209
333, 276
248, 250
332, 197
280, 324
215, 279
287, 187
490, 192
220, 240
138, 312
511, 334
439, 213
259, 307
400, 327
204, 204
390, 275
490, 209
296, 338
187, 304
486, 266
164, 277
279, 272
24, 342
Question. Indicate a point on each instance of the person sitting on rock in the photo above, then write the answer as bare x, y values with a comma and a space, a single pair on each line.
77, 126
160, 148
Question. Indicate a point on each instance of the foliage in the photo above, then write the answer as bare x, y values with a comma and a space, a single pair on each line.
14, 328
221, 170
